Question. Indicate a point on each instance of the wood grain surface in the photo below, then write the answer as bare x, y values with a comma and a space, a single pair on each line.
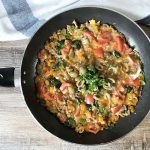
20, 131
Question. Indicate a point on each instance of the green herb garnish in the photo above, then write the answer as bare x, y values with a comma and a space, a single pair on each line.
76, 44
101, 109
59, 46
70, 122
116, 54
42, 102
111, 126
128, 89
92, 79
89, 107
55, 82
142, 80
58, 63
67, 36
83, 121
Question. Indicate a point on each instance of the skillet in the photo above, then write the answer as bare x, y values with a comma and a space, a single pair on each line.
136, 37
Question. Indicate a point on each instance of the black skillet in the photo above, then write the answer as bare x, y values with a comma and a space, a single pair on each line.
137, 38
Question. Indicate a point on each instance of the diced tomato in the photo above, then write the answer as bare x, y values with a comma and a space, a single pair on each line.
77, 112
136, 82
62, 117
127, 49
41, 87
127, 81
43, 54
104, 37
121, 88
120, 44
99, 52
92, 127
89, 99
58, 96
90, 35
130, 81
46, 68
115, 109
102, 41
64, 86
107, 35
65, 51
48, 96
119, 92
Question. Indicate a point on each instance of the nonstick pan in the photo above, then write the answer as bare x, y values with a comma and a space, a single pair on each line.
136, 37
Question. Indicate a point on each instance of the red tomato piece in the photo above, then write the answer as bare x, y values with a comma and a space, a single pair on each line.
64, 86
130, 81
90, 35
102, 41
115, 109
48, 96
89, 99
120, 44
127, 81
99, 52
127, 49
46, 68
104, 37
41, 87
43, 54
77, 112
65, 51
62, 117
58, 96
136, 82
107, 35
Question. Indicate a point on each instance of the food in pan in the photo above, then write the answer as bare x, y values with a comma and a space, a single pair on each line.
89, 76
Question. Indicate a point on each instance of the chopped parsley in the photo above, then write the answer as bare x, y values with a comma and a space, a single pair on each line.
58, 63
111, 126
101, 109
59, 46
67, 36
116, 54
55, 82
128, 89
76, 44
92, 79
83, 121
142, 80
70, 122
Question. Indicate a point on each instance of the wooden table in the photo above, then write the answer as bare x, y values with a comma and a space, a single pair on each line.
20, 131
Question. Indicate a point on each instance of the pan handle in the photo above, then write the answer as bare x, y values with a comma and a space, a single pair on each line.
145, 21
7, 77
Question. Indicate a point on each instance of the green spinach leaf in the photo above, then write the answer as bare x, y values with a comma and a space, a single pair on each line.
55, 82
